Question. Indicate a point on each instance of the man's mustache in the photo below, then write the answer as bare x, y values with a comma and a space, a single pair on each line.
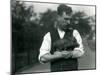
67, 26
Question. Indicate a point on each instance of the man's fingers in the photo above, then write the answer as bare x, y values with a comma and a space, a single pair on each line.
66, 54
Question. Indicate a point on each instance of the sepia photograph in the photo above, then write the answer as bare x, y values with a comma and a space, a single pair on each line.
52, 37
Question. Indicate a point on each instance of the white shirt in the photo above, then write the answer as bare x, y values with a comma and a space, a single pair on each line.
46, 44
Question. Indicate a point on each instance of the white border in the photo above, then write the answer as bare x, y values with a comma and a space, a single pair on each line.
5, 32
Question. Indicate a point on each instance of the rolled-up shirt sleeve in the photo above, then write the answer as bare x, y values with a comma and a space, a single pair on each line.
46, 46
79, 41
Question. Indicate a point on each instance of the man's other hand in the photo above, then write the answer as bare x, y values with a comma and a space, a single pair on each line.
66, 54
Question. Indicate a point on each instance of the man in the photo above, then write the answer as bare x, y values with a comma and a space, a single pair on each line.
61, 60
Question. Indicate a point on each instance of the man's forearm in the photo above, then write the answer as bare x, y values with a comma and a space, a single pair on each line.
49, 57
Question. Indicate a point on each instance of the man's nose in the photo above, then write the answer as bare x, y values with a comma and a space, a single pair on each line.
68, 21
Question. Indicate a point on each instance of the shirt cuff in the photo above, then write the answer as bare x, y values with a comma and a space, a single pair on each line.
40, 55
79, 54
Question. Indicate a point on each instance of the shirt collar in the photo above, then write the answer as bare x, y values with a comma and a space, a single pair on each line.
59, 30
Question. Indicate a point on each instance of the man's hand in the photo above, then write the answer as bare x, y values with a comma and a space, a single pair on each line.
58, 53
63, 54
66, 54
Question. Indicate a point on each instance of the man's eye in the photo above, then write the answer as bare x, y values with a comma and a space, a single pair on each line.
67, 18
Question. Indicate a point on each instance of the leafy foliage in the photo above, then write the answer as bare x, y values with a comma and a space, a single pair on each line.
26, 37
21, 14
80, 21
48, 19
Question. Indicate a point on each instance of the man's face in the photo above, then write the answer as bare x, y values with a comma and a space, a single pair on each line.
63, 21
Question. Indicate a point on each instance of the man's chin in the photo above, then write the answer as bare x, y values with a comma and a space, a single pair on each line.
64, 29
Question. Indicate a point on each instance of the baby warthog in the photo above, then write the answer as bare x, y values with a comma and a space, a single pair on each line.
65, 44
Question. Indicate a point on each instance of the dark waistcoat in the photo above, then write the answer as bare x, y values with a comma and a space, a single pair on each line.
62, 64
